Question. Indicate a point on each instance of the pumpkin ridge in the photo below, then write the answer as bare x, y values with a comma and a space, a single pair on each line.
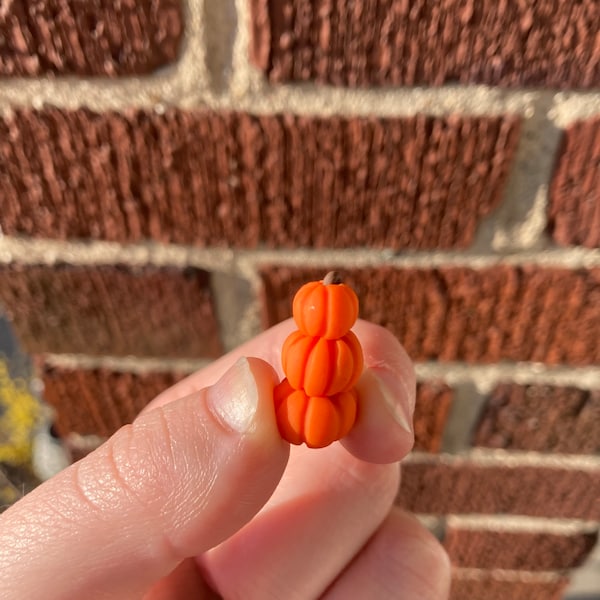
313, 342
341, 347
331, 357
321, 431
290, 341
324, 298
316, 363
291, 416
303, 420
335, 359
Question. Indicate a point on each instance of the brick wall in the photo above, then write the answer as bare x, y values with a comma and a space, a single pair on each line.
170, 172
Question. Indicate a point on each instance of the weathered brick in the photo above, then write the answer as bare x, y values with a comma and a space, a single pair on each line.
99, 401
431, 413
111, 310
489, 587
88, 37
527, 551
541, 418
395, 42
525, 313
212, 179
574, 206
464, 487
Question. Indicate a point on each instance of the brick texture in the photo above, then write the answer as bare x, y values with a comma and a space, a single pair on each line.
488, 588
541, 418
282, 181
396, 42
88, 37
439, 488
111, 310
431, 413
99, 401
574, 207
498, 313
526, 551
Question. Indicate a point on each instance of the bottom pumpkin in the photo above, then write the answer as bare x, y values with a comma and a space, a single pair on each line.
316, 421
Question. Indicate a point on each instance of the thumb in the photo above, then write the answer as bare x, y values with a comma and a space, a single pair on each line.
178, 481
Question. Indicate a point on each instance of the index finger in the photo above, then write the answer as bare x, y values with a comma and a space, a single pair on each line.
383, 432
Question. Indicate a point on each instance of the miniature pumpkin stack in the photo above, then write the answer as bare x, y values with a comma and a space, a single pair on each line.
316, 403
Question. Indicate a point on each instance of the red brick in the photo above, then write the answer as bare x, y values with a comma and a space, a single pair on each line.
396, 42
111, 310
99, 401
247, 181
431, 413
88, 37
467, 487
541, 418
574, 206
490, 588
527, 551
527, 313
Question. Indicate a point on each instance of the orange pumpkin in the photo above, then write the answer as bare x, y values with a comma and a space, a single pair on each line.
322, 367
316, 421
317, 404
326, 308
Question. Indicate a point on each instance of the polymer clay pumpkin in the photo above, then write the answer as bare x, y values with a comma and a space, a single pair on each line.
320, 366
325, 308
316, 421
316, 403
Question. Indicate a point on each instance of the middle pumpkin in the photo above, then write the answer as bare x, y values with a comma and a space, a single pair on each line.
320, 366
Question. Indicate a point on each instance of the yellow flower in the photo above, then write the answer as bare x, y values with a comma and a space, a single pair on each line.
19, 416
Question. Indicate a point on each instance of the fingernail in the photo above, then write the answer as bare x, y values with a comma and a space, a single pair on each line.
395, 401
234, 398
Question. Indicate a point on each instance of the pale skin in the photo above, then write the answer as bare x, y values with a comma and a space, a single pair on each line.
201, 498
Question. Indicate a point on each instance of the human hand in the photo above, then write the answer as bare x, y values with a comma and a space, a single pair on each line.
201, 495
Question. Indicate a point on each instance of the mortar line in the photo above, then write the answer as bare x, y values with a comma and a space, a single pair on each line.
487, 377
431, 520
243, 76
125, 364
236, 301
175, 86
226, 325
220, 26
242, 261
473, 574
569, 107
507, 458
521, 373
187, 88
519, 523
468, 402
520, 219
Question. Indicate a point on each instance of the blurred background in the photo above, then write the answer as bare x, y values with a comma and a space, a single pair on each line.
171, 171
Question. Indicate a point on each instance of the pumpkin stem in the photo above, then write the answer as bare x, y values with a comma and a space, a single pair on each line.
332, 278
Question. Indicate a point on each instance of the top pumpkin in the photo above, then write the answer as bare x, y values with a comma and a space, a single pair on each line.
326, 308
